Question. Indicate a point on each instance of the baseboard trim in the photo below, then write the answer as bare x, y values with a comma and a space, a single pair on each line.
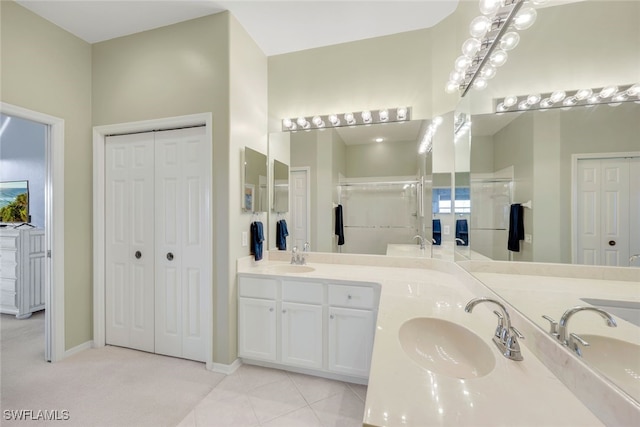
77, 349
226, 369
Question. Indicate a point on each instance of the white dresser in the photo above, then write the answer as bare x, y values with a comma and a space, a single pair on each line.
22, 271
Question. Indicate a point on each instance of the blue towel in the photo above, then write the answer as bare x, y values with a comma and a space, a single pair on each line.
257, 237
437, 232
462, 232
339, 225
281, 235
516, 227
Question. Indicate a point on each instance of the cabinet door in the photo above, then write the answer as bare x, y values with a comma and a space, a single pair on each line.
302, 335
350, 340
257, 329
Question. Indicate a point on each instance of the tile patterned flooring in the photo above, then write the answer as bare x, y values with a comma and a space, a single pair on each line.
256, 396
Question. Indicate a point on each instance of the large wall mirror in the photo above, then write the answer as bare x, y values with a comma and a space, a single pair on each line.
280, 187
375, 174
575, 169
255, 191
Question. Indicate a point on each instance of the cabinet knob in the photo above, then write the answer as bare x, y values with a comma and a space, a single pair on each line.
331, 316
138, 254
170, 256
348, 296
284, 311
270, 308
612, 242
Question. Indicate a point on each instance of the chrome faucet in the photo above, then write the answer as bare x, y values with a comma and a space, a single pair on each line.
420, 239
561, 332
459, 240
506, 336
296, 257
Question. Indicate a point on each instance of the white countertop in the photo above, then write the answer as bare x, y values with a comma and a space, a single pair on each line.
403, 393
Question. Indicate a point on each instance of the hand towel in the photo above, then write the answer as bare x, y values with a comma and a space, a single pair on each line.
339, 225
516, 227
281, 235
257, 237
437, 232
462, 232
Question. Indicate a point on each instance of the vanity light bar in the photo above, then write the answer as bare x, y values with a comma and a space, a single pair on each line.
492, 35
611, 95
426, 145
367, 117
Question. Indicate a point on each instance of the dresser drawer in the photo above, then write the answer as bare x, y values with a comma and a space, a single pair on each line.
254, 287
8, 256
304, 292
8, 270
352, 296
9, 242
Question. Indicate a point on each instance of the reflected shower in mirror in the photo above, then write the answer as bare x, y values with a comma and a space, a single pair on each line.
254, 184
374, 172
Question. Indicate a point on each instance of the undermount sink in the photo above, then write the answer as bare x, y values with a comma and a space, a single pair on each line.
618, 360
446, 348
289, 268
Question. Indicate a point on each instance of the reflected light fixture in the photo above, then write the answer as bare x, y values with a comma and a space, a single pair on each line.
426, 144
366, 117
587, 97
493, 33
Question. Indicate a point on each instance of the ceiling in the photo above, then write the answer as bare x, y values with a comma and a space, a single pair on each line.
390, 132
276, 26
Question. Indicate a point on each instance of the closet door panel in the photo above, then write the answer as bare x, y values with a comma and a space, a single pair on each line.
129, 281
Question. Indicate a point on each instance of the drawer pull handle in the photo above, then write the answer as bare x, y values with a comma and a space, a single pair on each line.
348, 296
170, 256
284, 311
271, 309
138, 254
331, 316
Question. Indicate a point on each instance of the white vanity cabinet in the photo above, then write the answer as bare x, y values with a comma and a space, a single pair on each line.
308, 326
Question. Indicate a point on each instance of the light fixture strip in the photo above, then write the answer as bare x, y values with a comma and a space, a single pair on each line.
496, 41
594, 99
390, 115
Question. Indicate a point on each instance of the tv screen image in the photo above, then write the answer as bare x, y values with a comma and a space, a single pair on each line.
14, 201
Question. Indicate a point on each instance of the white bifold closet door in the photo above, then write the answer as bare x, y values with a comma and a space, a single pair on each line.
157, 254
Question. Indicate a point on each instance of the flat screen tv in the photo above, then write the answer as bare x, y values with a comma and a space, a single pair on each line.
14, 201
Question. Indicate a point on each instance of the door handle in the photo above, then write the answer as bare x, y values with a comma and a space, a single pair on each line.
170, 256
612, 242
138, 254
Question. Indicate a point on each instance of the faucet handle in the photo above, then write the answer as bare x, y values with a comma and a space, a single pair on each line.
553, 325
517, 332
500, 328
574, 340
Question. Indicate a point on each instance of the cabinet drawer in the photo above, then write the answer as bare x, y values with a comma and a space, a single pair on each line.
8, 256
351, 296
254, 287
305, 292
8, 270
8, 242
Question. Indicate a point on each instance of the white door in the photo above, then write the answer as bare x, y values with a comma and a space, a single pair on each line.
634, 210
257, 329
299, 207
158, 243
603, 211
181, 243
302, 335
129, 283
350, 340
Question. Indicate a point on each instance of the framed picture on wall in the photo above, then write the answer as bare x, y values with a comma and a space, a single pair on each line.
14, 201
249, 199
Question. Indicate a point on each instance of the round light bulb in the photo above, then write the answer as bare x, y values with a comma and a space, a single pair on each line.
525, 18
608, 91
570, 101
480, 84
456, 76
384, 115
593, 99
479, 26
287, 123
509, 40
488, 72
317, 120
335, 121
302, 122
401, 113
452, 87
489, 7
546, 103
462, 63
533, 99
510, 101
557, 96
523, 105
583, 94
619, 97
366, 116
470, 47
348, 117
498, 58
501, 108
634, 90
